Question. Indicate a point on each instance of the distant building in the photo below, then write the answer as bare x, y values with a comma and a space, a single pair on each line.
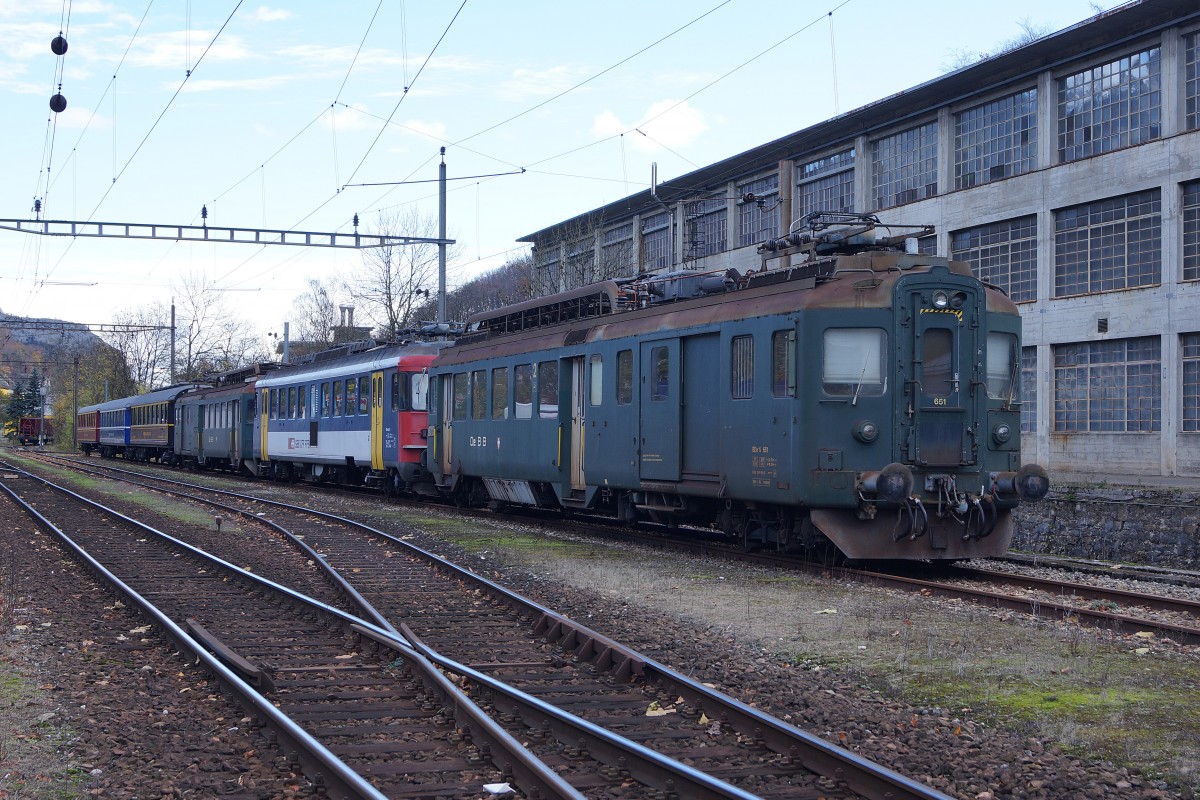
1066, 171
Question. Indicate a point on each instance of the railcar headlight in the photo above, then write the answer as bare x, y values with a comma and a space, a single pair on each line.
866, 431
1001, 433
940, 299
957, 299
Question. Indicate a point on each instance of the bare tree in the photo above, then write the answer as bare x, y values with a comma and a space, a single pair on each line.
147, 353
395, 280
209, 338
314, 318
1030, 32
493, 289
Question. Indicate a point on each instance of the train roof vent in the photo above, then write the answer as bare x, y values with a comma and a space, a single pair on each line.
586, 302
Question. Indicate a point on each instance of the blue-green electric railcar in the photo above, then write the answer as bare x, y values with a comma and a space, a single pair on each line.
860, 394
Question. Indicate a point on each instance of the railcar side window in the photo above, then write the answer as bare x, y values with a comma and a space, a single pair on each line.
325, 399
291, 402
1001, 365
418, 391
337, 399
937, 363
460, 395
741, 367
625, 377
364, 395
302, 402
500, 393
660, 360
523, 391
854, 362
274, 403
395, 391
351, 396
783, 364
596, 382
548, 390
479, 396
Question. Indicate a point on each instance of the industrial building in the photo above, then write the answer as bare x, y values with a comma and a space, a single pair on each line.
1066, 171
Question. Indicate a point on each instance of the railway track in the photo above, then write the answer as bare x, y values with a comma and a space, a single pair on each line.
507, 650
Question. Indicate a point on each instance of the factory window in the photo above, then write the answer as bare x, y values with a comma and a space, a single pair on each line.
1110, 106
1191, 80
656, 242
336, 410
927, 245
1108, 245
783, 364
616, 251
1028, 389
325, 408
1001, 365
364, 395
418, 391
826, 184
1191, 231
479, 395
500, 393
741, 367
854, 361
581, 261
625, 377
660, 362
758, 215
1189, 344
460, 395
547, 377
995, 140
523, 390
596, 381
904, 166
707, 226
1002, 253
1110, 386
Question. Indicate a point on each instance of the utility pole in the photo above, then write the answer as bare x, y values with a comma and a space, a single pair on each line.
75, 406
172, 341
442, 237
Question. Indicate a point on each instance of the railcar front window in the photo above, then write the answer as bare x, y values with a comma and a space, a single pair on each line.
419, 392
1001, 365
854, 362
937, 363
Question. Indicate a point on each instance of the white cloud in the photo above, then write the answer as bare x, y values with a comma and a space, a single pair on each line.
526, 84
679, 126
264, 14
436, 130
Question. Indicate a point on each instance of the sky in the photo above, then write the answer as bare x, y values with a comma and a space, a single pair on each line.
273, 116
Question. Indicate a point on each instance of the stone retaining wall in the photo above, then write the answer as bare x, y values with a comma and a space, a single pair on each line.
1139, 525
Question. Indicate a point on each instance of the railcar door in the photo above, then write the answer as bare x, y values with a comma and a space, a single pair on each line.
445, 439
578, 408
660, 405
263, 408
940, 394
377, 420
